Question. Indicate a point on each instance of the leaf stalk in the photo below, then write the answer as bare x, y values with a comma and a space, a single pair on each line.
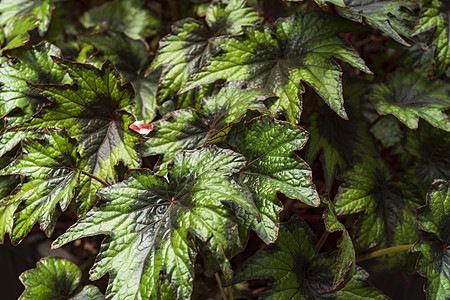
382, 252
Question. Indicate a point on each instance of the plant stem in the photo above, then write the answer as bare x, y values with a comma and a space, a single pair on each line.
219, 283
96, 178
383, 252
322, 240
374, 122
230, 293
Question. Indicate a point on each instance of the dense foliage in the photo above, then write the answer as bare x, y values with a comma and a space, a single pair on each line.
292, 143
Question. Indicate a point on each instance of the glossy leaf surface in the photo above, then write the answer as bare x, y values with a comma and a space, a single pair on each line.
299, 48
150, 222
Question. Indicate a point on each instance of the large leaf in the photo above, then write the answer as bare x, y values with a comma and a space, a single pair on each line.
31, 65
130, 17
271, 167
434, 263
410, 95
93, 109
52, 169
435, 20
384, 15
12, 9
191, 44
56, 278
345, 261
299, 48
150, 222
131, 59
387, 209
296, 271
430, 148
337, 140
188, 129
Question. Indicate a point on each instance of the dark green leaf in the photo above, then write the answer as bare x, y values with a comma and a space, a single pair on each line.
335, 139
7, 185
191, 44
299, 48
150, 219
410, 95
12, 9
50, 166
296, 271
384, 15
346, 259
56, 278
272, 167
31, 65
188, 129
435, 21
131, 58
130, 17
93, 109
430, 148
434, 263
387, 209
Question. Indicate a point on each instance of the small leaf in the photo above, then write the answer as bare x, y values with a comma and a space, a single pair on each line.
434, 263
410, 95
50, 166
31, 65
271, 167
345, 261
299, 48
384, 15
434, 20
191, 44
188, 129
94, 111
429, 147
150, 222
296, 271
12, 9
56, 278
387, 207
130, 17
16, 34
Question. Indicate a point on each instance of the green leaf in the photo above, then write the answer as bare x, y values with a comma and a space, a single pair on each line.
50, 166
56, 278
296, 271
12, 9
299, 48
384, 15
435, 21
410, 95
150, 222
131, 59
345, 261
323, 2
337, 140
191, 44
93, 109
31, 65
434, 263
429, 147
130, 17
387, 209
7, 185
271, 167
16, 33
188, 129
9, 140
